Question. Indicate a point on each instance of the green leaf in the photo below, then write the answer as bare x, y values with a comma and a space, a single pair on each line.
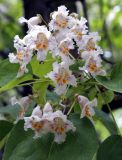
92, 93
105, 97
52, 96
100, 100
101, 130
77, 108
108, 96
15, 82
111, 149
106, 121
3, 141
94, 158
8, 71
10, 111
114, 82
81, 145
13, 111
39, 89
5, 128
41, 69
78, 63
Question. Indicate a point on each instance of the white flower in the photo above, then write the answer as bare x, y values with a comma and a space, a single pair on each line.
39, 121
93, 65
79, 29
88, 42
30, 122
60, 19
87, 107
37, 112
23, 56
42, 41
53, 46
18, 43
60, 125
87, 54
23, 103
64, 51
47, 111
32, 21
62, 77
49, 122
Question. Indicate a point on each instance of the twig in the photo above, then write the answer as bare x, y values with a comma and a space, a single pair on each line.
71, 108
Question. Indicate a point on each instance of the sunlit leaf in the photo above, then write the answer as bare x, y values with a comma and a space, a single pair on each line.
8, 71
106, 120
41, 69
39, 90
15, 82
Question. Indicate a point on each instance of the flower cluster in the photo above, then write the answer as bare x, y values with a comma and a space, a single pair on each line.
48, 121
64, 33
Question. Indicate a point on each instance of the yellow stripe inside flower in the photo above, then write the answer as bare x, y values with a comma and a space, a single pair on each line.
62, 77
64, 49
58, 125
42, 42
93, 67
77, 33
37, 125
20, 56
90, 45
61, 21
87, 112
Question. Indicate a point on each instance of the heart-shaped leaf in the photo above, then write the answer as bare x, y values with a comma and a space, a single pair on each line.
80, 145
8, 71
114, 82
111, 149
106, 121
5, 127
41, 69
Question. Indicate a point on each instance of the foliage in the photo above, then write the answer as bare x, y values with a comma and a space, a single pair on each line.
46, 149
115, 143
113, 82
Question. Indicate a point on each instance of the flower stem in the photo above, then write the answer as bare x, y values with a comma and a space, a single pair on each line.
113, 118
37, 81
71, 108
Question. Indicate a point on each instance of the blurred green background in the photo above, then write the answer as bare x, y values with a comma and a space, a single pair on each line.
10, 11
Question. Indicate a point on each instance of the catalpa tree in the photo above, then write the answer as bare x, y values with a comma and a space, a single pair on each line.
59, 122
